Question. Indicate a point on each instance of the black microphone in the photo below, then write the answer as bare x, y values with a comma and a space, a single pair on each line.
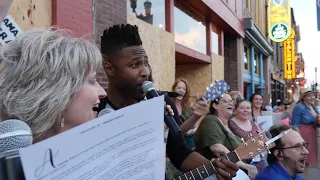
150, 91
170, 94
14, 134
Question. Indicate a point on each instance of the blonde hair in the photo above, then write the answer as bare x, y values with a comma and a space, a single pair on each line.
41, 72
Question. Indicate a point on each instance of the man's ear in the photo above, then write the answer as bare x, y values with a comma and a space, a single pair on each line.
108, 68
278, 154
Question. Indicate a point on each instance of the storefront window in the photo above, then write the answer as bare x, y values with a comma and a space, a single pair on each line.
152, 12
246, 57
214, 42
189, 31
256, 63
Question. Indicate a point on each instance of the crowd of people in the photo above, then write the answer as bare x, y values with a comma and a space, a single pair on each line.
48, 79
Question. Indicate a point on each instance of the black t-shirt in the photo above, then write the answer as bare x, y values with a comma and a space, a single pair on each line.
176, 149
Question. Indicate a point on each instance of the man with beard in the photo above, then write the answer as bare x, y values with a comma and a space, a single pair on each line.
287, 158
127, 67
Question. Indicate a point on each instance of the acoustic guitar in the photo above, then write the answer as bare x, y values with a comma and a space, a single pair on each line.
247, 150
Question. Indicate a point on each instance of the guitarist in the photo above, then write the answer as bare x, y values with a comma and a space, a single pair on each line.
127, 67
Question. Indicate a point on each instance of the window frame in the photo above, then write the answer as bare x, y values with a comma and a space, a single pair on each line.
248, 56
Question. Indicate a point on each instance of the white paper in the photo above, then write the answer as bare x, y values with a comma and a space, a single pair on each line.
265, 122
124, 145
241, 175
9, 30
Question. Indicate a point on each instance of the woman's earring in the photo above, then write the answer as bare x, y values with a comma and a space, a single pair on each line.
62, 123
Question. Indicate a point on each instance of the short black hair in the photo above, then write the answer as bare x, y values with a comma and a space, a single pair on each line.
275, 131
118, 37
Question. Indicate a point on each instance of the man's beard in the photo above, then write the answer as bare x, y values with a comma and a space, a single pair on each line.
134, 93
293, 166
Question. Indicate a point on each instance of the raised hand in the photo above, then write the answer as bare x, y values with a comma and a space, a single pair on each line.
200, 108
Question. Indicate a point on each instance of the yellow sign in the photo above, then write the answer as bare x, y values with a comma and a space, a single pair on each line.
289, 57
279, 20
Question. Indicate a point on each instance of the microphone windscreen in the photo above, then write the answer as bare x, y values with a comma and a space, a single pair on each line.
14, 134
147, 86
105, 111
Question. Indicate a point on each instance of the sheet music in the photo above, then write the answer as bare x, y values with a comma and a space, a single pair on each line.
125, 144
265, 122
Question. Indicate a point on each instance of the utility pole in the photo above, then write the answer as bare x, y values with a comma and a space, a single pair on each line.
316, 82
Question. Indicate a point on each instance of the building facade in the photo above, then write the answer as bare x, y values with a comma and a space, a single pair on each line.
257, 49
197, 40
202, 41
282, 88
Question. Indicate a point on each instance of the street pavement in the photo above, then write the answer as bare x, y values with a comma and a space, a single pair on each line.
314, 172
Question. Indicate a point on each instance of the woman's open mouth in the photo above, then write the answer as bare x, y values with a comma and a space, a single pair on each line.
95, 108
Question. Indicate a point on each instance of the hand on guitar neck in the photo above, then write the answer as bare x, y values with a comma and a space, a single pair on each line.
190, 117
201, 107
254, 146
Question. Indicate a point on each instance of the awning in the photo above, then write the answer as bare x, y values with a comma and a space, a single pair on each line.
254, 36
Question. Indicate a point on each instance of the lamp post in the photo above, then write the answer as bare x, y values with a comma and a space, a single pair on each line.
147, 7
133, 4
148, 18
315, 72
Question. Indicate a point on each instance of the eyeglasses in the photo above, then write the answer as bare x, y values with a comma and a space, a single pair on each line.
227, 101
298, 146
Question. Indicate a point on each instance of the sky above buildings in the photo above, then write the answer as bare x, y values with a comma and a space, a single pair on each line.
305, 12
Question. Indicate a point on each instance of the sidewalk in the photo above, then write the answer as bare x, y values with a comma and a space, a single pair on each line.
314, 172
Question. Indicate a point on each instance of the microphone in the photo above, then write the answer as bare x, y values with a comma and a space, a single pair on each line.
14, 134
105, 111
170, 94
150, 91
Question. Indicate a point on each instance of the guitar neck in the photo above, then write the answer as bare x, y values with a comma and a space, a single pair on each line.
207, 169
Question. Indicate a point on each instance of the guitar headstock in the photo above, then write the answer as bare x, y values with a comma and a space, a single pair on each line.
216, 90
255, 146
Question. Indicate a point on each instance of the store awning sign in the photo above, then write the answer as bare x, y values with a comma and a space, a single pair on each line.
289, 57
279, 20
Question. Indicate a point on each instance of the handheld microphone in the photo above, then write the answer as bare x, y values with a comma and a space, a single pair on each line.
170, 94
150, 91
105, 111
14, 134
